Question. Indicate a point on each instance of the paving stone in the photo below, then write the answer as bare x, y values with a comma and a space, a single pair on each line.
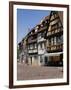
26, 72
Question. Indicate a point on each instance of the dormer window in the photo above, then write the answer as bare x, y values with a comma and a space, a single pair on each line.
31, 32
41, 25
46, 22
37, 27
35, 30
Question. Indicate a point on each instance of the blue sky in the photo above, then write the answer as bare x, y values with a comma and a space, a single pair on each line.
27, 19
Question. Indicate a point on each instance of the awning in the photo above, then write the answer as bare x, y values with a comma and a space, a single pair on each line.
53, 54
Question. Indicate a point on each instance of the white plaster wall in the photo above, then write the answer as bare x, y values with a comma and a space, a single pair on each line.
41, 51
41, 39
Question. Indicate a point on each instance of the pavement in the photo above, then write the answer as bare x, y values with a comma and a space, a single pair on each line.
26, 72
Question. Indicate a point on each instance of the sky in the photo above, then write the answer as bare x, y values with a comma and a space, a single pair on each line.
27, 19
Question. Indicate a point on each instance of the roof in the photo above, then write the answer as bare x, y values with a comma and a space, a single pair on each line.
44, 19
60, 13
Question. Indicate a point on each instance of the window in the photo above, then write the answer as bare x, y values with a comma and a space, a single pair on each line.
42, 34
39, 36
41, 25
37, 27
55, 40
35, 30
40, 45
28, 47
52, 41
61, 38
31, 46
54, 26
35, 45
49, 41
45, 22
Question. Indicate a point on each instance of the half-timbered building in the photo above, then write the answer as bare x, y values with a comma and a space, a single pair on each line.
44, 43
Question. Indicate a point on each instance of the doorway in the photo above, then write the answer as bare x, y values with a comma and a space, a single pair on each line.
46, 60
31, 60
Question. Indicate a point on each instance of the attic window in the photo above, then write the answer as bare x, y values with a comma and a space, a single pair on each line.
37, 27
35, 30
46, 22
31, 32
41, 25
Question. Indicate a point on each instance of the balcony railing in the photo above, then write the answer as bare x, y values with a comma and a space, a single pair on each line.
32, 51
58, 47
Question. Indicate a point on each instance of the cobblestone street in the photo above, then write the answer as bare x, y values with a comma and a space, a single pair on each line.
26, 72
